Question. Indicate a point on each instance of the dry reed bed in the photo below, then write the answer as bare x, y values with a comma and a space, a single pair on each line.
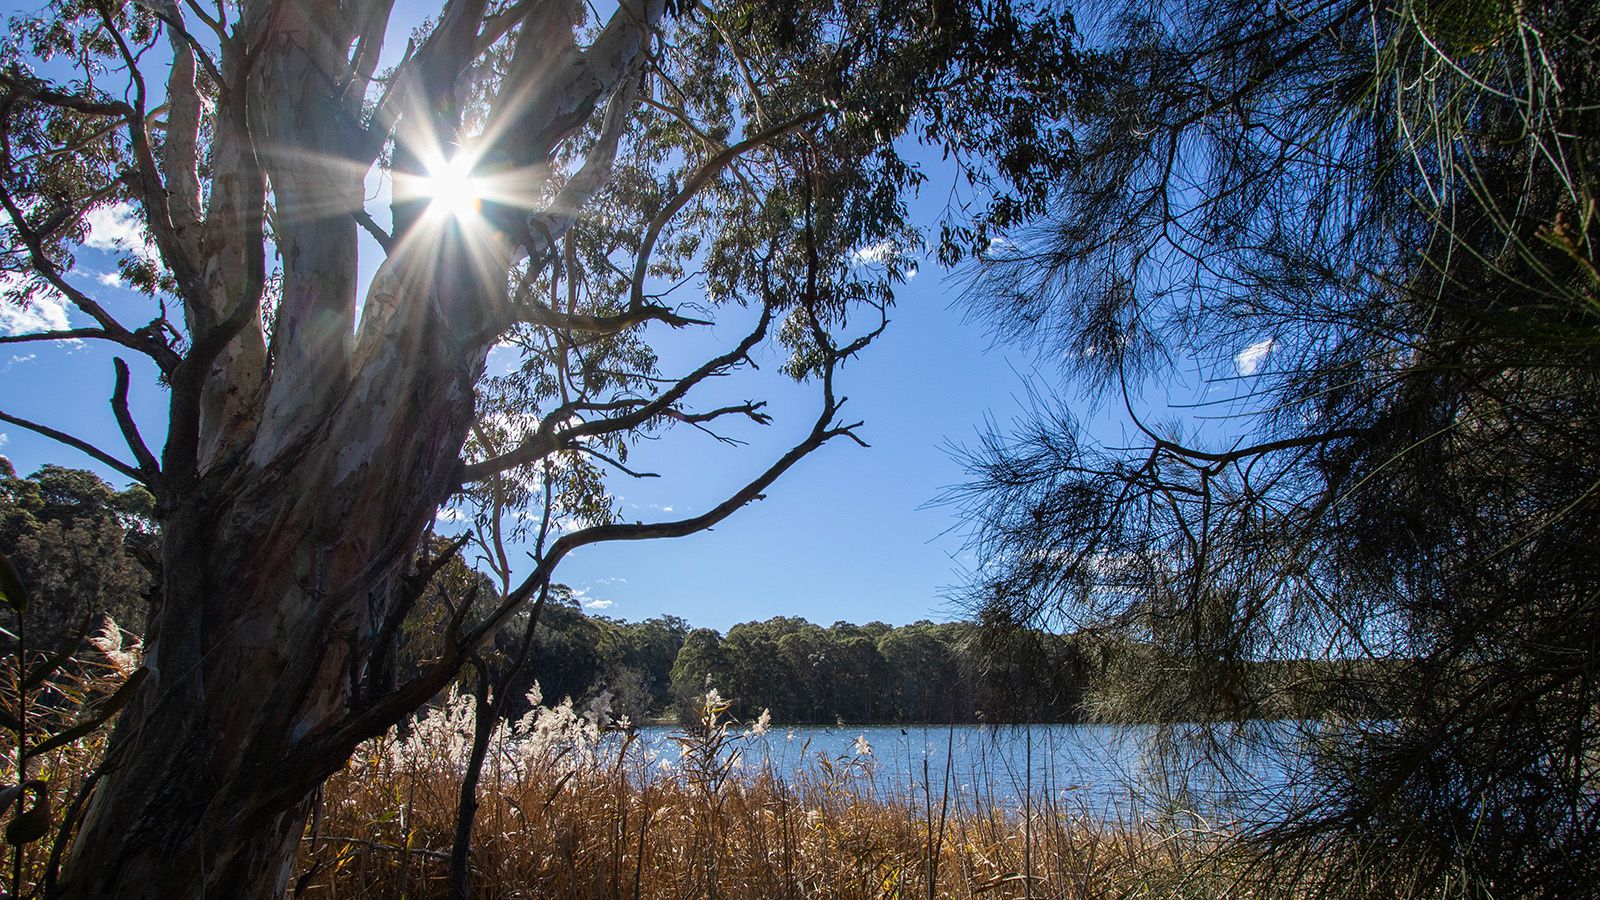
560, 817
569, 811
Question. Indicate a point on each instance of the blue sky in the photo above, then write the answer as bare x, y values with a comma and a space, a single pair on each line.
849, 534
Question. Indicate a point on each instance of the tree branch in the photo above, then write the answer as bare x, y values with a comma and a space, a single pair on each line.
130, 431
143, 341
551, 223
365, 220
70, 334
702, 177
77, 444
328, 748
546, 440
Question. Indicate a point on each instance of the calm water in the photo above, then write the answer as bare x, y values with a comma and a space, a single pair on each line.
1106, 772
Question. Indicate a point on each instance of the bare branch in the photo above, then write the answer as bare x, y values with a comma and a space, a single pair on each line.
585, 448
365, 220
698, 420
130, 431
540, 314
752, 410
70, 334
546, 440
77, 444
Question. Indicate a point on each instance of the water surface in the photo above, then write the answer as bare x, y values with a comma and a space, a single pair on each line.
1100, 771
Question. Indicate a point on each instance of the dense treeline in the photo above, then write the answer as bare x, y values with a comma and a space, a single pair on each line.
800, 671
84, 548
925, 672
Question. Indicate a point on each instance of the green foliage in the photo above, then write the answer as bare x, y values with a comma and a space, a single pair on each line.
83, 548
698, 667
924, 672
1374, 229
638, 659
853, 94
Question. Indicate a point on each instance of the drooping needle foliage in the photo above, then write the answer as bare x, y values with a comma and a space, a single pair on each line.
1372, 228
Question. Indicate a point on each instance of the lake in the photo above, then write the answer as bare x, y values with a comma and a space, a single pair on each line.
1100, 771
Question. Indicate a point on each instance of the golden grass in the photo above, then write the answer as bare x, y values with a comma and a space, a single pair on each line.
558, 821
567, 812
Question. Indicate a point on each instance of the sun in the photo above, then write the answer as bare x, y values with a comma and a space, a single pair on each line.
451, 189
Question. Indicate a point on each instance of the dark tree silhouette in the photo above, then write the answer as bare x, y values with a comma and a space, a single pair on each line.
1373, 229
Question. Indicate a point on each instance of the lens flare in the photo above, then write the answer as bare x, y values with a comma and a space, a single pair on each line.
452, 190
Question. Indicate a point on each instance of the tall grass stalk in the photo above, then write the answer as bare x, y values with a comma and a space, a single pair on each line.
568, 811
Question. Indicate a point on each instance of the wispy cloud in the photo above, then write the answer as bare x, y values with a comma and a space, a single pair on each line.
45, 310
1250, 358
588, 601
118, 227
661, 508
879, 254
874, 254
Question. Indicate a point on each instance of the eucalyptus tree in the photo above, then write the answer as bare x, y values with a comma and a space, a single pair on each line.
579, 187
1372, 228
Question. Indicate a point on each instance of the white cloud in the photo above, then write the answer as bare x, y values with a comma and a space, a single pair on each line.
1250, 358
504, 358
109, 279
587, 602
874, 254
46, 309
117, 227
880, 254
449, 514
4, 438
